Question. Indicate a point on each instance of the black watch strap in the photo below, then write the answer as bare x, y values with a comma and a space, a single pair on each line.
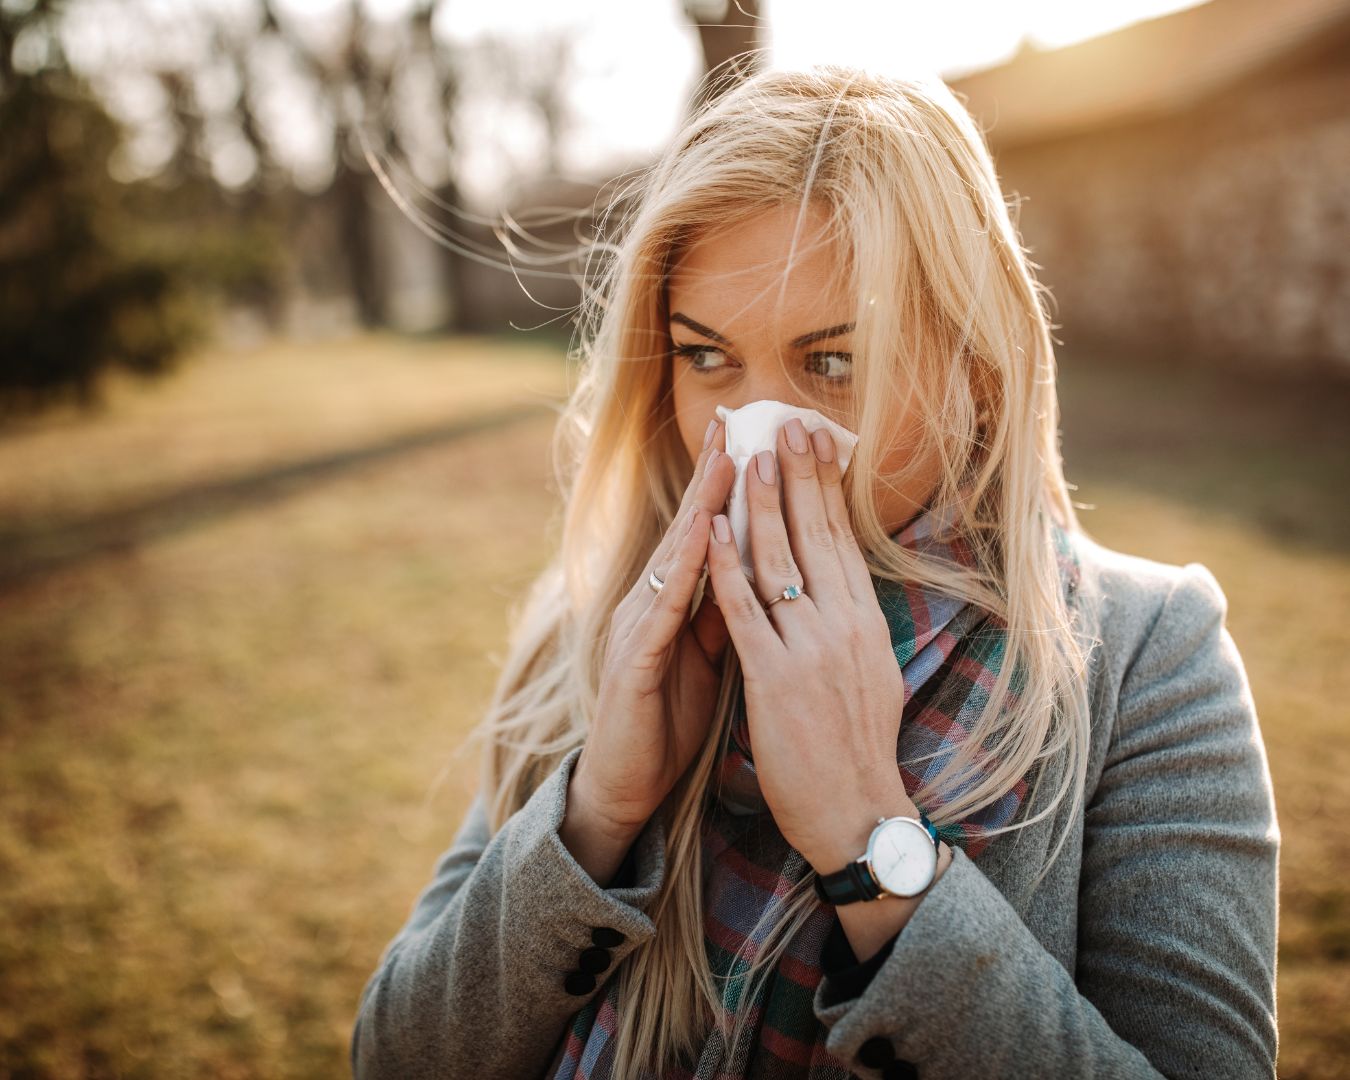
854, 882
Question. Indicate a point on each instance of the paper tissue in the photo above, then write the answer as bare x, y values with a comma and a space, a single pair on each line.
755, 427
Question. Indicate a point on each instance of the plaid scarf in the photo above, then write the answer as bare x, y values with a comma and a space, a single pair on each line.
950, 653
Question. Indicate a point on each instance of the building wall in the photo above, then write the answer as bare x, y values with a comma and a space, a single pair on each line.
1217, 235
535, 295
1220, 235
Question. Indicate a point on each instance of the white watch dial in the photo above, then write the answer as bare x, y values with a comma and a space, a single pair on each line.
903, 857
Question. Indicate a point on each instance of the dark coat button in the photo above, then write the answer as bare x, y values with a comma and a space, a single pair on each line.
876, 1052
900, 1069
579, 983
594, 959
606, 937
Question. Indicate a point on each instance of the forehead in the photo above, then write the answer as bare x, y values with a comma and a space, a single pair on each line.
747, 273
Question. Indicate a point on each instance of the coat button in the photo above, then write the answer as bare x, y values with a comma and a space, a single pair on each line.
606, 937
900, 1069
579, 983
876, 1052
594, 960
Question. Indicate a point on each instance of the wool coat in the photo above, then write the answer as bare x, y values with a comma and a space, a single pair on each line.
1147, 950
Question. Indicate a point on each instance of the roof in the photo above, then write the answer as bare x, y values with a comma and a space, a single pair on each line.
1152, 67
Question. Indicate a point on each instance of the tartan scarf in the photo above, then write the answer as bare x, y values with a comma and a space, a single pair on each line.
950, 653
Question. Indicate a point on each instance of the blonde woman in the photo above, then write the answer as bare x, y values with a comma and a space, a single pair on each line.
942, 787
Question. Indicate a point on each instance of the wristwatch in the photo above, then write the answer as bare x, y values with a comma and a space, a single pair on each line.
901, 860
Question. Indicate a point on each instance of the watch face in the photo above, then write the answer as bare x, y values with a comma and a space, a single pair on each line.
902, 857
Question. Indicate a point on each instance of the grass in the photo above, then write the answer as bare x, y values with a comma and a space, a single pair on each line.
246, 622
1250, 477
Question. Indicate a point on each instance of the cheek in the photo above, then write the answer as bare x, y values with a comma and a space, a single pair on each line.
903, 446
692, 414
913, 476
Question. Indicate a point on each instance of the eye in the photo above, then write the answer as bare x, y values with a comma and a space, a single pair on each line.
820, 364
691, 352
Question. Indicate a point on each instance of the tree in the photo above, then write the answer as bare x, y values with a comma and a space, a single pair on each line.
360, 84
729, 34
77, 296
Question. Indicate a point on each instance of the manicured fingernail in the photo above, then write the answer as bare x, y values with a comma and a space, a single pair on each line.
722, 529
692, 518
796, 436
708, 436
764, 463
712, 456
824, 444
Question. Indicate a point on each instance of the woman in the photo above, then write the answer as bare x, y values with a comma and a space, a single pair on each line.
661, 874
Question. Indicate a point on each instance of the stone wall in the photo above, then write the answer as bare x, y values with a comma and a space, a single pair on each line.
1220, 235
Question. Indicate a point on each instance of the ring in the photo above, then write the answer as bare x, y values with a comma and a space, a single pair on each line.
792, 592
655, 582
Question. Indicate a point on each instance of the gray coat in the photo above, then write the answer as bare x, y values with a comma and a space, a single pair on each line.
1148, 949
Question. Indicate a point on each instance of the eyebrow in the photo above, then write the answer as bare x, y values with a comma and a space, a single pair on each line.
797, 342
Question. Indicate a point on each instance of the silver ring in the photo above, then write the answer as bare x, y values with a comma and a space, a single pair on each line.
655, 582
792, 592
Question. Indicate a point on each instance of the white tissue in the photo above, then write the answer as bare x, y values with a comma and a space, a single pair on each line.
753, 428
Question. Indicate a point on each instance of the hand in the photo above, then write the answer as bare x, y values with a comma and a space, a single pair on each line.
638, 748
823, 691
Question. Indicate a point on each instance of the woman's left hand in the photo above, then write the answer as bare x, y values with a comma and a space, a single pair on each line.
823, 691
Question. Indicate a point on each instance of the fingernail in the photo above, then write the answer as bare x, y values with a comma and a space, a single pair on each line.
796, 436
708, 436
824, 444
722, 529
764, 463
712, 456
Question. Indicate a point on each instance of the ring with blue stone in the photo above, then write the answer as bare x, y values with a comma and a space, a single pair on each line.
790, 593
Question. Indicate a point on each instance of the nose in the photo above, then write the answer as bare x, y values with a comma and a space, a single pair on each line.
768, 385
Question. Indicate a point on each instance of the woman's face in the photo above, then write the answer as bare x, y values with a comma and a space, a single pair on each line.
739, 335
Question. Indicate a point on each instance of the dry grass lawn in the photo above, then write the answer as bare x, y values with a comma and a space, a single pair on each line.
248, 615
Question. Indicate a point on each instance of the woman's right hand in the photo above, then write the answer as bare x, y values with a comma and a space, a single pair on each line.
637, 748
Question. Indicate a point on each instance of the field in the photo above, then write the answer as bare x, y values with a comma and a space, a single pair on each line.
248, 614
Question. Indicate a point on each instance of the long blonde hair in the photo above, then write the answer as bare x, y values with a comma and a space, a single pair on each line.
947, 309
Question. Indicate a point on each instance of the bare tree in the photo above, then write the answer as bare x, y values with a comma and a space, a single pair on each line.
360, 85
234, 49
534, 72
729, 32
335, 78
445, 78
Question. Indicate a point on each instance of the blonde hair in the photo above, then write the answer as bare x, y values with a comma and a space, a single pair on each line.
909, 191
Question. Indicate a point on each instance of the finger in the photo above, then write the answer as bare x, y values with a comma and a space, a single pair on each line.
668, 610
710, 483
808, 527
857, 575
708, 490
770, 551
746, 621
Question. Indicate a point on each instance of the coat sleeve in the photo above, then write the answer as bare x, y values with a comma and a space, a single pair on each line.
473, 984
1176, 909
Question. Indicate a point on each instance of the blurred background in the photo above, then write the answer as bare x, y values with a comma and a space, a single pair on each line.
274, 425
